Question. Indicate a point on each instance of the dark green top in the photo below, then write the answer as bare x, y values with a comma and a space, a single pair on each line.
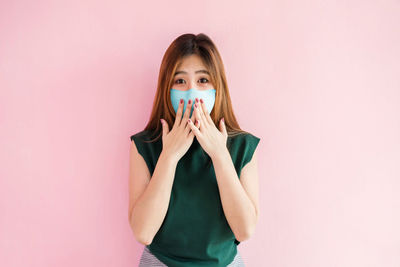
195, 231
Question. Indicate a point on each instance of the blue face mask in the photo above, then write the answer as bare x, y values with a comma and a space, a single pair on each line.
208, 97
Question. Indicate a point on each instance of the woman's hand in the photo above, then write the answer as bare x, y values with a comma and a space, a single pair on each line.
177, 141
211, 139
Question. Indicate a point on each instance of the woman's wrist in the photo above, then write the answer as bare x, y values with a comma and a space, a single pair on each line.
221, 154
166, 156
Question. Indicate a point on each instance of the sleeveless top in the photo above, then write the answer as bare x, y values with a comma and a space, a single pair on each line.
195, 231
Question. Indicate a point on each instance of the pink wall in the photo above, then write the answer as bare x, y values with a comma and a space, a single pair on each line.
318, 81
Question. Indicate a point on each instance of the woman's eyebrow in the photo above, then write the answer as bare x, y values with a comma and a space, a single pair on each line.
197, 71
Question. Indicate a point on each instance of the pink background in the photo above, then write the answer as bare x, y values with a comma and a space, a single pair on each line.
317, 81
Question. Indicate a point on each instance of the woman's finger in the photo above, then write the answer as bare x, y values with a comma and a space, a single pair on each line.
194, 129
199, 117
193, 119
187, 112
178, 115
202, 116
206, 114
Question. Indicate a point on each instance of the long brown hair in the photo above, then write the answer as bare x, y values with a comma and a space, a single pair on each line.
185, 45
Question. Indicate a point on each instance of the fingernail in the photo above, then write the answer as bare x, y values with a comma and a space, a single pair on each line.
181, 100
190, 101
223, 121
195, 105
161, 121
201, 100
190, 121
197, 100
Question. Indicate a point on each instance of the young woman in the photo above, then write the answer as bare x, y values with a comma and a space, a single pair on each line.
193, 181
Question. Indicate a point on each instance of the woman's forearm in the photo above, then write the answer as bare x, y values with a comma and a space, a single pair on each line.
238, 208
151, 207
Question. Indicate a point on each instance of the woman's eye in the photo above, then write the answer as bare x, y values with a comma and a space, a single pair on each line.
204, 79
177, 81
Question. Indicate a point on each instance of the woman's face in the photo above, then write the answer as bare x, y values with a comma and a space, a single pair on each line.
192, 73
